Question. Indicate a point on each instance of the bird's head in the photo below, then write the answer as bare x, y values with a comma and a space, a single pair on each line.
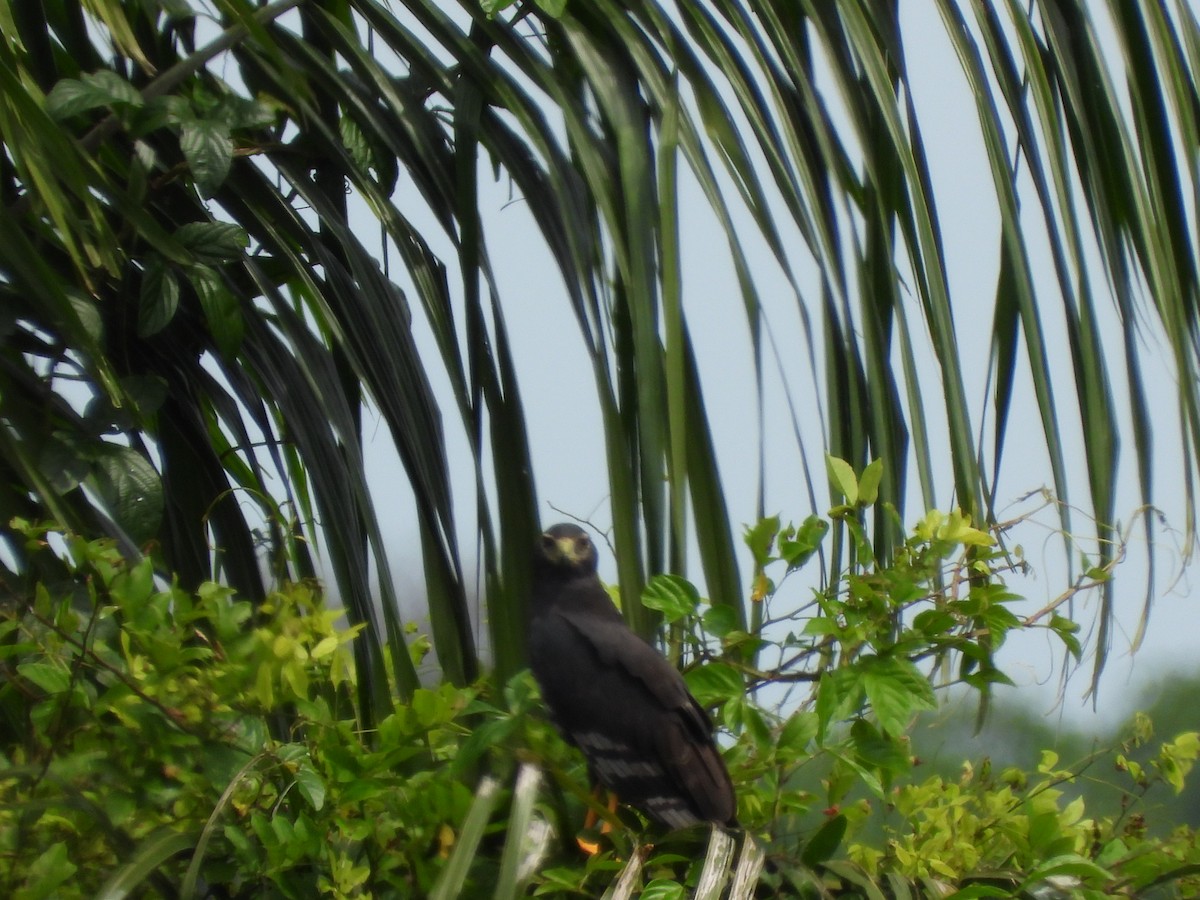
567, 548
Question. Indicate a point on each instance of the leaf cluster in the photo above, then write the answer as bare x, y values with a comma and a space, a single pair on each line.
823, 700
157, 738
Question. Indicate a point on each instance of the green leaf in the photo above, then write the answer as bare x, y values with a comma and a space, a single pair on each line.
715, 683
103, 88
852, 873
208, 148
896, 690
491, 7
356, 143
979, 891
841, 476
159, 298
719, 621
71, 96
146, 393
87, 314
1067, 631
161, 112
958, 528
50, 678
798, 732
243, 112
676, 598
1068, 864
63, 464
131, 489
221, 309
662, 889
839, 695
51, 869
868, 483
213, 242
824, 841
760, 538
553, 8
878, 751
800, 549
311, 785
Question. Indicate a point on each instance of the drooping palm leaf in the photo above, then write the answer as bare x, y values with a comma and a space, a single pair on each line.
801, 126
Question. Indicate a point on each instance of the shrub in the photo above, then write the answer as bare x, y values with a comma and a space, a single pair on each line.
160, 739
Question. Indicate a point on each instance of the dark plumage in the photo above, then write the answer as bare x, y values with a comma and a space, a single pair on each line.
616, 698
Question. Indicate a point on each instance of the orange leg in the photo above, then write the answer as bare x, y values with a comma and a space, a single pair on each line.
591, 848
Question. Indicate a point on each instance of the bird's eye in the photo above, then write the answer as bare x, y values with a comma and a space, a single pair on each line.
583, 545
548, 543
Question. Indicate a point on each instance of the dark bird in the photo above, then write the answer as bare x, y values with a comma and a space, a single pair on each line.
616, 698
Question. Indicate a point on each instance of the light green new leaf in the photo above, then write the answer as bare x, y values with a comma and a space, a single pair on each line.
841, 476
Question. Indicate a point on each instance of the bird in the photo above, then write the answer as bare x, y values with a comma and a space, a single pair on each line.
615, 697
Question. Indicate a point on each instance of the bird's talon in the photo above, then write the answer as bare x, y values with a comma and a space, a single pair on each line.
591, 848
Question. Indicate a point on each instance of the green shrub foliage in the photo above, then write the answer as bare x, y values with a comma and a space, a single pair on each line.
159, 740
136, 712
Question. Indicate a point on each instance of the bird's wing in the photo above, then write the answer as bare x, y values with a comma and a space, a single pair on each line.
682, 742
617, 646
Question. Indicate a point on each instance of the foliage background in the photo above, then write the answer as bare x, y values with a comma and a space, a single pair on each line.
191, 264
194, 319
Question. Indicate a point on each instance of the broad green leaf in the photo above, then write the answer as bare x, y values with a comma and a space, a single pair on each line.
896, 691
799, 730
311, 785
146, 393
958, 528
807, 541
208, 148
213, 242
132, 490
839, 695
552, 8
221, 308
824, 841
103, 88
719, 620
1067, 632
159, 298
324, 647
676, 598
715, 683
63, 464
491, 7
